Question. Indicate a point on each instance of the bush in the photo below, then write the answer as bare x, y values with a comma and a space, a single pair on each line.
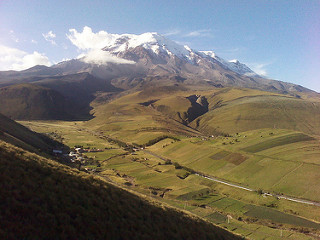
260, 191
177, 165
158, 139
168, 162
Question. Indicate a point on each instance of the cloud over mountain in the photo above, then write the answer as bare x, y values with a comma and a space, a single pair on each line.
260, 68
87, 39
91, 45
200, 33
15, 59
100, 57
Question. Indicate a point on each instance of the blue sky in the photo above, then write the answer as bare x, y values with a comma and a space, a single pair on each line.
278, 38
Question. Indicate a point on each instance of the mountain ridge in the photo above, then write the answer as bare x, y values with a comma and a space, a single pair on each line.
158, 44
129, 63
129, 56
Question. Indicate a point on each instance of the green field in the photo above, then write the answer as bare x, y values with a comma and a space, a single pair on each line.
72, 133
267, 159
273, 215
239, 110
278, 141
44, 197
247, 158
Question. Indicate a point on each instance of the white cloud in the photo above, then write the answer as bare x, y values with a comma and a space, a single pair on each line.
98, 56
172, 33
65, 59
15, 59
91, 44
196, 33
34, 41
259, 68
183, 43
87, 39
199, 33
49, 37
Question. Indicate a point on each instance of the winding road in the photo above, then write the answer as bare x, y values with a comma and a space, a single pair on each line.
293, 199
298, 200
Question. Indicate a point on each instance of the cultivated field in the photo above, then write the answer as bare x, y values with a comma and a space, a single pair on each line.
243, 158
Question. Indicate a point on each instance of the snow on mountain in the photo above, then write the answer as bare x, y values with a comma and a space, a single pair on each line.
117, 44
240, 68
150, 41
234, 65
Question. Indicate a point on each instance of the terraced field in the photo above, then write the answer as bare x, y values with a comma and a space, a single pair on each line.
253, 152
248, 158
277, 142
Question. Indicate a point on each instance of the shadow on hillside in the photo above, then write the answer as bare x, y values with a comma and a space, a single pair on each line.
40, 198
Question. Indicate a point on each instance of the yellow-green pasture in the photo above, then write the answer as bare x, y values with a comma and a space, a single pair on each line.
280, 161
149, 175
73, 134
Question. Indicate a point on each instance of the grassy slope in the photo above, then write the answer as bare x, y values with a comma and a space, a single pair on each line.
175, 107
40, 198
80, 88
275, 160
11, 131
231, 110
59, 97
128, 119
28, 101
143, 172
238, 110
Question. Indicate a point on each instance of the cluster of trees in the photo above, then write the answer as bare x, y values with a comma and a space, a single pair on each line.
156, 140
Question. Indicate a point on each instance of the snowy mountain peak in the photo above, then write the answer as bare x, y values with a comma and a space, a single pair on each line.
209, 53
233, 65
150, 41
234, 61
119, 44
240, 68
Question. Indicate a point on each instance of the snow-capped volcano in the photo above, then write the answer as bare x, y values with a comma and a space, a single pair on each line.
162, 48
150, 41
131, 60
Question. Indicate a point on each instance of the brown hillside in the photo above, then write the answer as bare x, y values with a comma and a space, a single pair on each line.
29, 101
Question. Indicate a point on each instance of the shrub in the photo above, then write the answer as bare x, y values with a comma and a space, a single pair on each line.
168, 162
260, 191
177, 165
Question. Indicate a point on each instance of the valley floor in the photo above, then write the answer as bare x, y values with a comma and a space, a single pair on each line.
165, 170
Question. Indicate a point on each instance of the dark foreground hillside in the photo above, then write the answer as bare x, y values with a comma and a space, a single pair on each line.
15, 133
41, 199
